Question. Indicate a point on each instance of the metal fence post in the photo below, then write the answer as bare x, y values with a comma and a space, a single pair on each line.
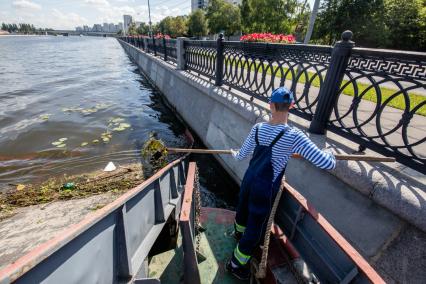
180, 50
219, 61
165, 48
329, 92
145, 44
154, 46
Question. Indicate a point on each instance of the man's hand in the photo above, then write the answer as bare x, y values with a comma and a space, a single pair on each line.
328, 151
234, 153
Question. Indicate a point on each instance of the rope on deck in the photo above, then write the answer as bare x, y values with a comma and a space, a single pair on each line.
261, 272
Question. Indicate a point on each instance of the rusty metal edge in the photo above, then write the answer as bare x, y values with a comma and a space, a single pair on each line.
187, 196
22, 265
284, 241
191, 272
353, 254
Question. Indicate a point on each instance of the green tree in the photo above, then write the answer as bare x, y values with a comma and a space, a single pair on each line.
275, 16
197, 23
363, 17
246, 12
132, 29
223, 16
406, 24
143, 29
174, 26
156, 28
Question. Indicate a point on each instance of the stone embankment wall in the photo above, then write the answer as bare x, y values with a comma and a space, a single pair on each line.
379, 209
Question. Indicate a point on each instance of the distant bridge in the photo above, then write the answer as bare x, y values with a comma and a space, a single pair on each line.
76, 33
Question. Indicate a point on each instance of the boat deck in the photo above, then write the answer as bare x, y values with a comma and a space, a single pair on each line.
216, 246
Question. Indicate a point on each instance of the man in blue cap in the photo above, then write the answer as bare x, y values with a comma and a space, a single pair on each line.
272, 143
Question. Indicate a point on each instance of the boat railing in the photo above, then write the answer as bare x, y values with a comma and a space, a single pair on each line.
110, 245
187, 226
322, 247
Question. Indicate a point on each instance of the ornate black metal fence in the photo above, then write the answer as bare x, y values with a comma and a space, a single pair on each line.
152, 45
375, 98
200, 56
171, 50
159, 46
381, 104
259, 68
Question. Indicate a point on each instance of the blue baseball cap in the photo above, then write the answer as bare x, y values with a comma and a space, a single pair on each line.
281, 95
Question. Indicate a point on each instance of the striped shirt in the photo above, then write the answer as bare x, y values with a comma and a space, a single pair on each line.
293, 141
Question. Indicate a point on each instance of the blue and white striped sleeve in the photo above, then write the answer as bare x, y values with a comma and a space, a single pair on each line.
248, 145
304, 146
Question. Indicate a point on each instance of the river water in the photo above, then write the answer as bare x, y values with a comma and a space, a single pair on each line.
59, 96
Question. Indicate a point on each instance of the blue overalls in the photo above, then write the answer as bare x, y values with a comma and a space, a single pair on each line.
257, 195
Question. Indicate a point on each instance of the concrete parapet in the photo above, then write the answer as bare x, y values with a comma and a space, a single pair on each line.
367, 203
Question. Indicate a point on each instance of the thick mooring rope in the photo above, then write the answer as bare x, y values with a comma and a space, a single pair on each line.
261, 272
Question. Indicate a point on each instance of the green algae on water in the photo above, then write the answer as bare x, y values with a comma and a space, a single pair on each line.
45, 116
118, 124
60, 142
106, 137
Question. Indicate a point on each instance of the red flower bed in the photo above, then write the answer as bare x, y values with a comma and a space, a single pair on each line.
160, 35
268, 37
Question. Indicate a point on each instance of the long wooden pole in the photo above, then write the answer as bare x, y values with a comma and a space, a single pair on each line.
297, 156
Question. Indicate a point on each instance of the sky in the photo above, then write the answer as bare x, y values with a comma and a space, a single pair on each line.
68, 14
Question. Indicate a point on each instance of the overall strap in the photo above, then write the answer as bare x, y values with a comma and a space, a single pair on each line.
255, 136
279, 136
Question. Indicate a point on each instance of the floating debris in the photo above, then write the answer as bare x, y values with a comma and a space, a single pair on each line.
84, 144
45, 116
155, 151
116, 120
87, 111
70, 187
118, 124
102, 106
121, 126
106, 137
60, 142
20, 186
72, 109
110, 167
95, 141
